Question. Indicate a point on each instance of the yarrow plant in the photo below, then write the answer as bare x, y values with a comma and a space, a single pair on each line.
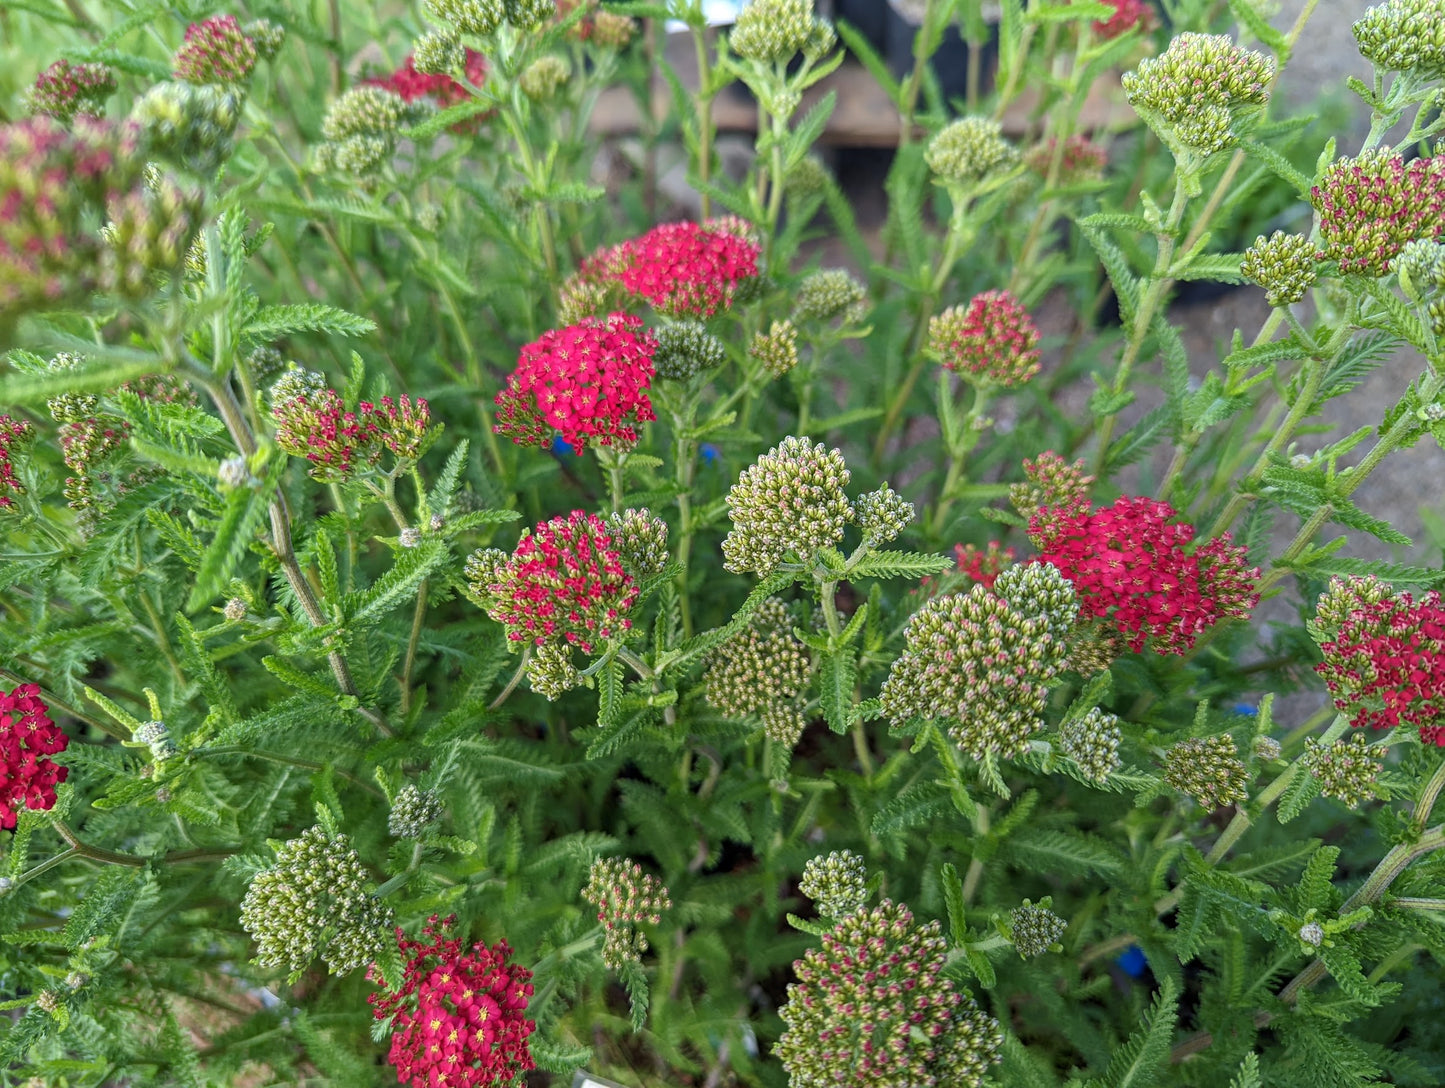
447, 472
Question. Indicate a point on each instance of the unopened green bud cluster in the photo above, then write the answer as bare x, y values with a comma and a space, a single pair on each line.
1405, 36
831, 293
1283, 264
1207, 769
1039, 589
190, 124
1092, 742
361, 129
484, 568
625, 898
1345, 769
791, 500
476, 17
439, 52
530, 14
776, 349
71, 407
150, 231
970, 150
760, 667
542, 79
640, 539
837, 883
983, 664
686, 349
413, 810
1193, 92
550, 672
312, 902
1035, 929
882, 515
776, 30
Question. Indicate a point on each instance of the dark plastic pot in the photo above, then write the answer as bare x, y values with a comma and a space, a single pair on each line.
868, 17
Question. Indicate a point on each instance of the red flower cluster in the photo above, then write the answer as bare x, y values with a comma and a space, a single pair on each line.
316, 425
993, 339
1386, 663
216, 50
588, 381
681, 268
26, 736
1129, 564
441, 88
1371, 206
1127, 15
13, 433
983, 566
564, 583
1081, 160
459, 1019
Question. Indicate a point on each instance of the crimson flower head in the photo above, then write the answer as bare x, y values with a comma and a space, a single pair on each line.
1127, 15
563, 584
1372, 206
316, 425
1132, 565
13, 433
992, 340
441, 88
459, 1019
681, 269
27, 736
983, 565
588, 381
1385, 661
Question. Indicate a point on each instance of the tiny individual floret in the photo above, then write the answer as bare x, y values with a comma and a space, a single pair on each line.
837, 883
266, 36
1128, 14
640, 537
15, 434
1080, 161
1370, 207
625, 898
830, 294
980, 665
1345, 769
991, 341
1283, 264
970, 150
413, 810
791, 500
1194, 94
686, 349
564, 583
550, 672
776, 349
587, 382
773, 30
874, 1008
1208, 769
313, 902
439, 52
544, 77
190, 124
1404, 36
1092, 742
760, 667
478, 18
66, 89
882, 515
216, 50
459, 1018
680, 269
235, 610
27, 738
1035, 929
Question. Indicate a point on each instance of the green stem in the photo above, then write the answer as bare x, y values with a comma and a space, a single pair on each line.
704, 118
516, 679
417, 618
975, 865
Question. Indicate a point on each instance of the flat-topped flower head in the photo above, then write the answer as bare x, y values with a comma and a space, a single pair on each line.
686, 349
873, 1008
1194, 93
149, 234
1128, 14
1370, 207
680, 269
773, 30
1404, 36
791, 500
478, 18
625, 898
361, 128
970, 150
761, 667
882, 515
1384, 656
27, 737
1035, 929
66, 89
15, 434
1345, 769
216, 50
564, 583
837, 883
434, 84
991, 341
459, 1018
319, 427
1092, 742
640, 538
1208, 769
831, 294
1283, 264
1133, 565
587, 382
776, 349
413, 810
981, 665
401, 424
313, 901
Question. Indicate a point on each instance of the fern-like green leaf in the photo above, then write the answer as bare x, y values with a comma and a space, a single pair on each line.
1140, 1061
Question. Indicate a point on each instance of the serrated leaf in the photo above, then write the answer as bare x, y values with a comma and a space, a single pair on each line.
1141, 1060
901, 565
411, 567
634, 980
273, 322
244, 511
836, 680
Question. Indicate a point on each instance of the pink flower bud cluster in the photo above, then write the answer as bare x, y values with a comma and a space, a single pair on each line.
681, 269
14, 433
1385, 660
215, 50
1132, 564
64, 90
316, 425
459, 1019
992, 340
1081, 159
27, 736
1054, 488
625, 898
1371, 206
564, 583
588, 382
